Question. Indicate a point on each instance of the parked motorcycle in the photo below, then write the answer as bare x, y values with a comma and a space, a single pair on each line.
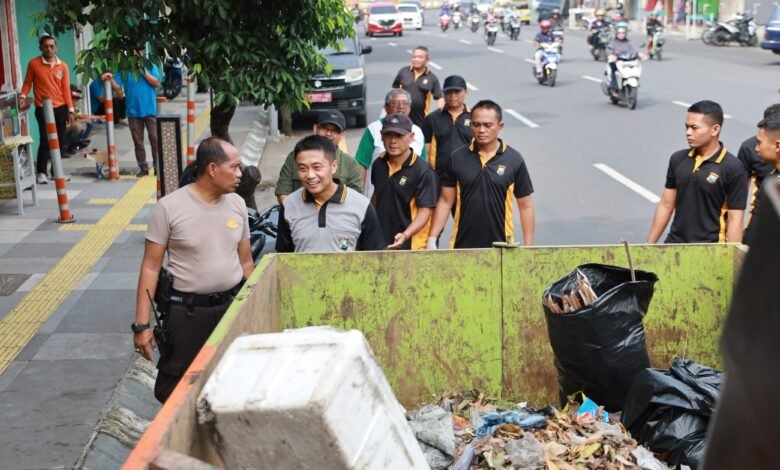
600, 41
514, 28
263, 229
656, 49
629, 70
550, 60
444, 22
742, 30
474, 20
173, 75
491, 32
456, 19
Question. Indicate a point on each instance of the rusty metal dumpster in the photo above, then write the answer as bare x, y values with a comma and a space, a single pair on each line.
448, 320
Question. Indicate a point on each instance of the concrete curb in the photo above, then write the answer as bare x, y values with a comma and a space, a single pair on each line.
124, 419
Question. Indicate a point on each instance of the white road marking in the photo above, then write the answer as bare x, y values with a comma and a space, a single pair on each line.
373, 38
522, 118
490, 48
688, 105
592, 79
528, 41
409, 51
530, 61
636, 187
434, 65
471, 87
426, 32
464, 41
392, 44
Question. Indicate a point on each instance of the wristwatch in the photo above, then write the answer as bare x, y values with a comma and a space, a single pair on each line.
139, 327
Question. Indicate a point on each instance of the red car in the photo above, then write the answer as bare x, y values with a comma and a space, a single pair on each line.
384, 18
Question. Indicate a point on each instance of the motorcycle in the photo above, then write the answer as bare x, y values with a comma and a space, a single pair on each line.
741, 29
600, 41
444, 22
173, 75
629, 69
456, 20
550, 60
658, 41
491, 31
474, 19
514, 28
557, 31
263, 229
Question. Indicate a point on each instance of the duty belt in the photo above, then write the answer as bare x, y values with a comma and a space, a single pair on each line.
205, 300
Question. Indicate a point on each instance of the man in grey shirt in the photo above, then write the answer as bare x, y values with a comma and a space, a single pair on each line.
325, 215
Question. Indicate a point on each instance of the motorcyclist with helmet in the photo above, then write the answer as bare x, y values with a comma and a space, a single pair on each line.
616, 48
555, 19
652, 23
596, 25
544, 36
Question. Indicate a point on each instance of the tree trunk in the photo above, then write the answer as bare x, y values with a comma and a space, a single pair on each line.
285, 118
220, 120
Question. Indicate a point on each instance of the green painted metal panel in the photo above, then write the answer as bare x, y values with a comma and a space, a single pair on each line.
685, 317
432, 319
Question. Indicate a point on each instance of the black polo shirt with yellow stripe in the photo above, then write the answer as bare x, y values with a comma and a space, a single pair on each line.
707, 188
421, 87
446, 132
486, 187
399, 194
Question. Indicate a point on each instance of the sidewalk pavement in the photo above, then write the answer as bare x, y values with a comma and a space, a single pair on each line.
67, 298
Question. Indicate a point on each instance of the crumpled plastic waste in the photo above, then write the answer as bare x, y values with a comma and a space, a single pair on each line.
492, 420
432, 427
527, 452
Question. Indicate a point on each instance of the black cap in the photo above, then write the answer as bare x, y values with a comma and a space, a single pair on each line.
454, 82
397, 123
332, 117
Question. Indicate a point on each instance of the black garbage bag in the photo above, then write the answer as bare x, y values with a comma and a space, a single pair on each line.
598, 349
668, 411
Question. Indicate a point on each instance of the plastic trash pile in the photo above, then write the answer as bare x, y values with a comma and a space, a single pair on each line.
485, 433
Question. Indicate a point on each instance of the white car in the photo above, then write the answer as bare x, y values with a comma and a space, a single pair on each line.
384, 18
412, 15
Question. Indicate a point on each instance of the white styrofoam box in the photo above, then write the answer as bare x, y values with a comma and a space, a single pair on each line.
312, 398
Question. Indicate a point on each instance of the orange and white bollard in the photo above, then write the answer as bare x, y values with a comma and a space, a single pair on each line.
113, 163
190, 121
56, 163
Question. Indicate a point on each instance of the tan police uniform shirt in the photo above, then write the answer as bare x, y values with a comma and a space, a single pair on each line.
202, 240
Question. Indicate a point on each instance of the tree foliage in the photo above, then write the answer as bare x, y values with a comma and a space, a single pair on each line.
258, 50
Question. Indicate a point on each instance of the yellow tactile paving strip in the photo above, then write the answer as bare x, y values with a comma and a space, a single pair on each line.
102, 201
21, 323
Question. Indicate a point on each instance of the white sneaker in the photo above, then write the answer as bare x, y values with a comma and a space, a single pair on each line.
42, 179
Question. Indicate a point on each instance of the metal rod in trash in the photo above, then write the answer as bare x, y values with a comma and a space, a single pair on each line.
113, 164
630, 263
56, 163
190, 121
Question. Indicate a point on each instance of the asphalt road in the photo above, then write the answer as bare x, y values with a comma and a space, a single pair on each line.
597, 168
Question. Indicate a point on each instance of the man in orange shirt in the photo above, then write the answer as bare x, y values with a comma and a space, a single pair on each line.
48, 76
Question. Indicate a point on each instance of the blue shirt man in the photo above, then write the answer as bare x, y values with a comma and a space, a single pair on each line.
141, 107
97, 97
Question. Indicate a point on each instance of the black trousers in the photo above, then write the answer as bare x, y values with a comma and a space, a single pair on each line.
61, 119
187, 330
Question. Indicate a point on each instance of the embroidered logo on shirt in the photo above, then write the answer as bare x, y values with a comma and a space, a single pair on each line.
58, 74
343, 245
712, 178
402, 181
467, 122
501, 169
231, 223
425, 82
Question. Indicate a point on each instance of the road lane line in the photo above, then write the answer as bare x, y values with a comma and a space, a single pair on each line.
491, 48
592, 79
392, 44
464, 41
636, 187
688, 105
522, 118
530, 61
471, 87
434, 65
409, 51
528, 41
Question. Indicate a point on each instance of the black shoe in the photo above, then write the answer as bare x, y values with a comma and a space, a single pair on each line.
142, 173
